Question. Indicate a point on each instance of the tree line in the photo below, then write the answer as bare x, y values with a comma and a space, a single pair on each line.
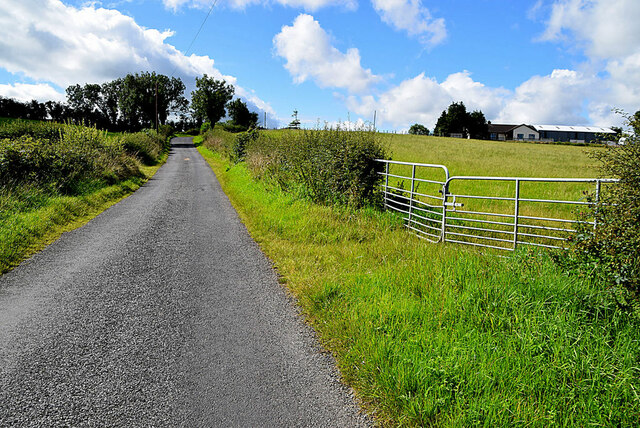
138, 101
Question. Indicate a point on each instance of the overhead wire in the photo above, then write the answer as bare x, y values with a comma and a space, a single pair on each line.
213, 4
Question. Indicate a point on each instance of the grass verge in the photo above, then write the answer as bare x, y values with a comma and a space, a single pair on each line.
35, 219
442, 335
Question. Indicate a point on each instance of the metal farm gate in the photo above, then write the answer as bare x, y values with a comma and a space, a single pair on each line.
490, 212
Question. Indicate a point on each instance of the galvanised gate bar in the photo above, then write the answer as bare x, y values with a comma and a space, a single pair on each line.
491, 212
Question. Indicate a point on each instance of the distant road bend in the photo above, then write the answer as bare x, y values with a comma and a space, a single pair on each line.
162, 311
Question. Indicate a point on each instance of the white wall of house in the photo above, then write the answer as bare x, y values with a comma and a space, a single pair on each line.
526, 133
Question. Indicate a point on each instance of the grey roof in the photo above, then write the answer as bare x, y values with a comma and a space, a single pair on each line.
565, 128
504, 128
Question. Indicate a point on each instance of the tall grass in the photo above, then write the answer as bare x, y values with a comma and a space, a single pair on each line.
330, 165
53, 176
437, 335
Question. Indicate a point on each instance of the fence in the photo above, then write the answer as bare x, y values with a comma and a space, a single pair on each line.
490, 212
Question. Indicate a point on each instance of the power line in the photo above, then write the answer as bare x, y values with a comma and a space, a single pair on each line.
213, 4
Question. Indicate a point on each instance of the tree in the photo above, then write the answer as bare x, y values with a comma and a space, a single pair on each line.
240, 114
79, 105
452, 120
295, 123
457, 120
477, 126
209, 99
417, 129
57, 111
108, 103
137, 98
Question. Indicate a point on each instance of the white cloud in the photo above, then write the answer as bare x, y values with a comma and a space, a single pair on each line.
309, 5
412, 17
609, 33
476, 95
309, 54
65, 45
625, 79
422, 99
49, 41
27, 92
554, 99
607, 28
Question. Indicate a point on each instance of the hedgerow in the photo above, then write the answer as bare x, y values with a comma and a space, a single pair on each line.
58, 158
611, 251
328, 166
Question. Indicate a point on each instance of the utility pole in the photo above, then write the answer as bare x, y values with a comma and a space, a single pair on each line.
265, 120
156, 105
374, 119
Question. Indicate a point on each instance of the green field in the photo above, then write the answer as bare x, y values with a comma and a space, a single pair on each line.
502, 159
495, 158
442, 335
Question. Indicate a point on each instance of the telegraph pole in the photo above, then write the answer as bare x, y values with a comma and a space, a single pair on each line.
156, 105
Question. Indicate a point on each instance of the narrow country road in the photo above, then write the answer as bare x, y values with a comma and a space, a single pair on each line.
162, 311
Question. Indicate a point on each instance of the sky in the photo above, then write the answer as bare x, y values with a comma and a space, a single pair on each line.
566, 62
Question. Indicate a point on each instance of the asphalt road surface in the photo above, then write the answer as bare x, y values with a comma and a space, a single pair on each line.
162, 311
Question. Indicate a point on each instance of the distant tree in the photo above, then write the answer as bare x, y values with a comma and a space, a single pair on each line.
79, 106
452, 120
457, 120
209, 99
33, 109
477, 126
137, 98
36, 111
108, 103
57, 111
295, 123
240, 114
417, 129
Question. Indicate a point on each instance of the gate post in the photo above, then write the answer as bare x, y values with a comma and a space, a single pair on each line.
515, 218
386, 185
595, 214
413, 178
445, 190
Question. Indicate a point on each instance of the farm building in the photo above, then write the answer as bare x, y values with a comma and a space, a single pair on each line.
575, 134
512, 132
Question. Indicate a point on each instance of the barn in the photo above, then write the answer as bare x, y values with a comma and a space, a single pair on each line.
573, 134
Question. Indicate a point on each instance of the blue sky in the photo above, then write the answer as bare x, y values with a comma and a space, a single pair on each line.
537, 62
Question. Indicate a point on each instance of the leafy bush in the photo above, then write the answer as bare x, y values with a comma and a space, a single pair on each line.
233, 127
242, 140
206, 126
166, 131
328, 166
147, 145
611, 251
219, 141
61, 164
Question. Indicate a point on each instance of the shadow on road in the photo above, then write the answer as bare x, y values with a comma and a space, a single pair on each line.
182, 145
